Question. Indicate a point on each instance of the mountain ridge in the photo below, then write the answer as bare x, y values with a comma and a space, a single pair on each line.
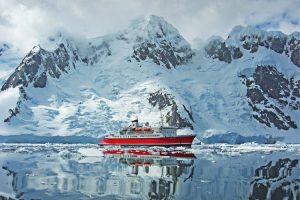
200, 89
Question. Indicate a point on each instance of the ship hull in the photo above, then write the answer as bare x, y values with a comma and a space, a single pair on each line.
182, 140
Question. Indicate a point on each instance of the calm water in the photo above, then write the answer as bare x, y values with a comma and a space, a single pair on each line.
211, 172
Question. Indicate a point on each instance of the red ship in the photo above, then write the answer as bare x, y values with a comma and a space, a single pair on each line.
144, 135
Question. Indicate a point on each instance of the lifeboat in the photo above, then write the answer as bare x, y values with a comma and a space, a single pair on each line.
145, 129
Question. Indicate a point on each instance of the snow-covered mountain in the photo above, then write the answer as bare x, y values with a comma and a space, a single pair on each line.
246, 85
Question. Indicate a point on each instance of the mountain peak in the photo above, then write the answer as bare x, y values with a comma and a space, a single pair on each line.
241, 32
252, 39
153, 27
148, 20
155, 19
251, 30
159, 41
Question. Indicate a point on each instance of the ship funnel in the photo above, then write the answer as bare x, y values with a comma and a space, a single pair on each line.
134, 120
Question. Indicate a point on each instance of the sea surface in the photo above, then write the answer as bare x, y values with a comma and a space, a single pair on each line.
224, 172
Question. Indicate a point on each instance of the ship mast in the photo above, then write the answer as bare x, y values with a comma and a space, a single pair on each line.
161, 118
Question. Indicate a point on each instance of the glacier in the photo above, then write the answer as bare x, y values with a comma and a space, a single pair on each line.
70, 86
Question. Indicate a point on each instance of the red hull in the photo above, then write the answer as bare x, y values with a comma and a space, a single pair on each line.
181, 140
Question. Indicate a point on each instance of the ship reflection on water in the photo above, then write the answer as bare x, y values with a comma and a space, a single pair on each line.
154, 174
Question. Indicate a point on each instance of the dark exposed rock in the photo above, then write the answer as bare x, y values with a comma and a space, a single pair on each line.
97, 53
85, 60
281, 193
62, 59
294, 48
163, 53
40, 81
246, 46
4, 197
296, 87
160, 43
256, 95
189, 112
275, 85
273, 115
271, 82
281, 121
275, 181
295, 57
254, 48
160, 99
23, 94
260, 192
277, 44
267, 85
251, 42
217, 49
173, 117
251, 39
270, 171
36, 65
14, 111
236, 53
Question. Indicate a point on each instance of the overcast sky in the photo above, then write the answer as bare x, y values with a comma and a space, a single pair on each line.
24, 23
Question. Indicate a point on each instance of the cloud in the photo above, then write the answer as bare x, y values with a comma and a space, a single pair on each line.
288, 27
25, 23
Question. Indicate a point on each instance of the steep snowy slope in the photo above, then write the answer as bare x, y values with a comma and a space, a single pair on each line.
10, 57
92, 87
247, 84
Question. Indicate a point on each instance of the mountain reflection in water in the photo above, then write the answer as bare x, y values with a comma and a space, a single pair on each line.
155, 174
87, 172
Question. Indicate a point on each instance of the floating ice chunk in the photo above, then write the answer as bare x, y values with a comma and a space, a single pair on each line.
91, 152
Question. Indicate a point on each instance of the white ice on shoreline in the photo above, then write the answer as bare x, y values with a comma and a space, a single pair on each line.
92, 150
